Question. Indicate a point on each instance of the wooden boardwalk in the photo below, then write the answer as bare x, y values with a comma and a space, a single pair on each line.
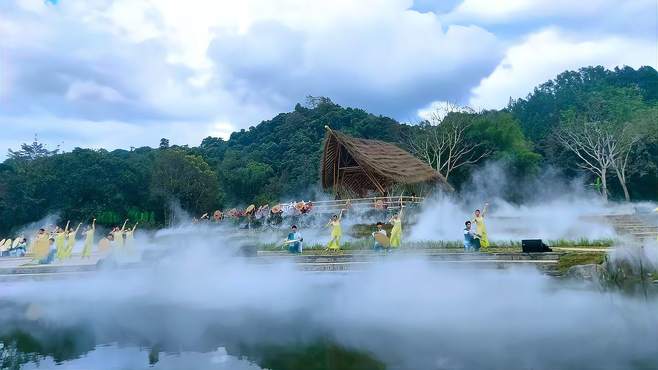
16, 269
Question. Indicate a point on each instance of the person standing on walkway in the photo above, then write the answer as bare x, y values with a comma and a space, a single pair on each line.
336, 232
396, 232
89, 239
480, 228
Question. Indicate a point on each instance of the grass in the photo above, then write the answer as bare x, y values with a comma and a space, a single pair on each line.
569, 260
510, 246
585, 243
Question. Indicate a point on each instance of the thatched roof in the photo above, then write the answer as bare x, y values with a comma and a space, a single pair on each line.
362, 165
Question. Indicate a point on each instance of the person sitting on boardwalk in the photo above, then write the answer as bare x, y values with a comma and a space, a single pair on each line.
471, 239
381, 239
294, 240
20, 249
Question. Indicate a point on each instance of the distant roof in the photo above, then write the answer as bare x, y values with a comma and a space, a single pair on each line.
385, 163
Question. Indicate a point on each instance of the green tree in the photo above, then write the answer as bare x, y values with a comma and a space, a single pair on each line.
185, 178
31, 151
247, 182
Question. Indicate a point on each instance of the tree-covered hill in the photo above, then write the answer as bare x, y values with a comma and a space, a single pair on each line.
279, 158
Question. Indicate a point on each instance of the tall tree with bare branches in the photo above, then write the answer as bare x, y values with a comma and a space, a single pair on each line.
596, 146
627, 139
443, 142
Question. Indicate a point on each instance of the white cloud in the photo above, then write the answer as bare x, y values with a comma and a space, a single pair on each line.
81, 90
517, 11
210, 66
70, 133
389, 62
543, 55
222, 129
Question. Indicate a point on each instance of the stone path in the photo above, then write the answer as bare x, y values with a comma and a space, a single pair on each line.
634, 226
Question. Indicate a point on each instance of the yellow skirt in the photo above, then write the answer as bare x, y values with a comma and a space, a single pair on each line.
334, 243
484, 240
396, 237
86, 250
60, 244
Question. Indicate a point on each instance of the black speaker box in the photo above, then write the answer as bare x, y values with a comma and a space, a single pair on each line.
534, 246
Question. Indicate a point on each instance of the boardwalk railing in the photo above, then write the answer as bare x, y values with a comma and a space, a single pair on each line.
392, 202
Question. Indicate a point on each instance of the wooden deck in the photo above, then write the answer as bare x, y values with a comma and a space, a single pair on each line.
17, 269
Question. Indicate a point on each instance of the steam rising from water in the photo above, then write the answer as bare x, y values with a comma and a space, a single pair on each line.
407, 312
566, 217
545, 207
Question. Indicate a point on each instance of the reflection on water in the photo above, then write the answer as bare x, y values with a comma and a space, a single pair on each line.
206, 311
113, 357
72, 349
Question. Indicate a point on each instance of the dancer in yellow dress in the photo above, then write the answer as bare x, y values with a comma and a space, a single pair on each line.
39, 247
89, 240
118, 235
480, 228
336, 232
396, 232
70, 242
60, 240
129, 238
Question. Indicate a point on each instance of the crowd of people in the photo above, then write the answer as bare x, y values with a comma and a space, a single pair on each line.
261, 213
294, 239
474, 239
56, 243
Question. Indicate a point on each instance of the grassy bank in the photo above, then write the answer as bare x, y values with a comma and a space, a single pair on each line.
569, 260
496, 247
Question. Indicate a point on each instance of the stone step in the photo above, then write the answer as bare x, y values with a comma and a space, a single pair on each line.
360, 266
372, 257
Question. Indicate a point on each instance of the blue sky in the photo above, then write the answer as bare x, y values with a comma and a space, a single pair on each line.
121, 73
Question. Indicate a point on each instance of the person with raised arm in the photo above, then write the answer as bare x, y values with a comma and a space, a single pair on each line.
118, 234
480, 228
336, 231
60, 240
89, 239
70, 241
130, 236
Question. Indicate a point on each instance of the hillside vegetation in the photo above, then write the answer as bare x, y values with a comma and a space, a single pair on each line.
280, 157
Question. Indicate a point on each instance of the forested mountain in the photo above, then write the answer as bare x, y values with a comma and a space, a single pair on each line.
279, 158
